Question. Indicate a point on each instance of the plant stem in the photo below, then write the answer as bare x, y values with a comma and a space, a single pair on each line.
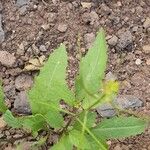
93, 136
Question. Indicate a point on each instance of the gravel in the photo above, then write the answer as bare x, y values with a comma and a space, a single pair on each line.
146, 49
21, 104
113, 41
62, 27
89, 38
42, 48
5, 56
2, 123
146, 23
128, 101
138, 61
21, 3
2, 33
123, 102
106, 110
23, 82
10, 90
110, 76
125, 41
90, 18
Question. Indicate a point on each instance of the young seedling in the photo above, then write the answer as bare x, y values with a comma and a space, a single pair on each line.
76, 126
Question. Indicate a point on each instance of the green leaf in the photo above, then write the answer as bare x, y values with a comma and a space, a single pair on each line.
3, 107
120, 127
54, 119
34, 122
94, 145
50, 84
91, 70
63, 144
74, 137
102, 145
37, 144
11, 120
91, 119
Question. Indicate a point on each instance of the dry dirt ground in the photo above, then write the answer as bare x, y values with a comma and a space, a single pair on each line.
33, 28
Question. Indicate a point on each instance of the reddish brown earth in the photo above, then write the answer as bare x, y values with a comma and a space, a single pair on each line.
38, 27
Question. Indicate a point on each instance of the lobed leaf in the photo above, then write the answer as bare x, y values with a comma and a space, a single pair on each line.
120, 127
102, 145
91, 119
50, 85
91, 70
34, 122
63, 144
74, 137
54, 119
94, 145
11, 120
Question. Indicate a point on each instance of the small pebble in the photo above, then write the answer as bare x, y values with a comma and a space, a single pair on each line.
146, 23
148, 62
138, 61
86, 4
23, 82
125, 40
5, 56
43, 48
45, 26
117, 147
113, 41
2, 123
146, 49
62, 27
21, 104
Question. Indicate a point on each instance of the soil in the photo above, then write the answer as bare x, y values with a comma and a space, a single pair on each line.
34, 28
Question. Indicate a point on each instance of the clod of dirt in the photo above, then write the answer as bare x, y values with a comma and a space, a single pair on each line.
21, 104
2, 34
23, 82
89, 38
13, 72
90, 18
125, 41
123, 102
21, 48
7, 59
146, 23
146, 49
113, 41
62, 27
